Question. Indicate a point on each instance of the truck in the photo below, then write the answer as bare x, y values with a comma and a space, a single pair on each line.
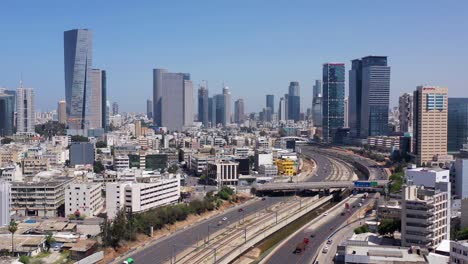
129, 261
300, 248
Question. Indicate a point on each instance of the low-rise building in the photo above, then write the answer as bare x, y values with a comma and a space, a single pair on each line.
85, 198
286, 167
223, 172
121, 162
459, 252
198, 163
140, 197
268, 170
390, 210
82, 153
33, 165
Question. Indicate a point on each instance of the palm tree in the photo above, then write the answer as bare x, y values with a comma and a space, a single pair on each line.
13, 227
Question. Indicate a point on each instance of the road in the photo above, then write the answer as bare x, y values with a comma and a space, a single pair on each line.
180, 240
285, 254
328, 168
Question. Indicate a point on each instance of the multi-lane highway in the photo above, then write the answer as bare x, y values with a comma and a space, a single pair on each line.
328, 168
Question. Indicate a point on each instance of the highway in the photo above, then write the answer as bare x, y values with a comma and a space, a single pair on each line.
330, 223
163, 248
328, 168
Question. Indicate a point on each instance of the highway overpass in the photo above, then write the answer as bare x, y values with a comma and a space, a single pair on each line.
324, 185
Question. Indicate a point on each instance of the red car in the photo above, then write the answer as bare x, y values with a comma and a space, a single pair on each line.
306, 240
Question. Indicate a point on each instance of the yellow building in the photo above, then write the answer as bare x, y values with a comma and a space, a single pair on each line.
286, 167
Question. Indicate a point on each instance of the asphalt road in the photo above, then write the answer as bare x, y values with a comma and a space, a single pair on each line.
285, 253
323, 165
183, 239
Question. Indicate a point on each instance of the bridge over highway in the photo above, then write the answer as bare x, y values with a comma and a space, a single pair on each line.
300, 186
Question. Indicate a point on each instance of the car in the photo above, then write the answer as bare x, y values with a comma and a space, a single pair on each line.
360, 204
325, 249
325, 214
312, 236
263, 198
240, 210
329, 242
220, 223
342, 213
224, 218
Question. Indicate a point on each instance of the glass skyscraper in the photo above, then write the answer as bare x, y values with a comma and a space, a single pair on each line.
457, 130
333, 99
7, 109
369, 96
294, 101
203, 105
270, 102
78, 65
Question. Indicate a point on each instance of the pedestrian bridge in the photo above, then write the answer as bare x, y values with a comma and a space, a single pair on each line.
324, 185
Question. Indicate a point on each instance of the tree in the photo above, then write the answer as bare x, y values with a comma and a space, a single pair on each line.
50, 129
78, 138
98, 167
49, 239
12, 228
173, 169
389, 226
6, 140
101, 144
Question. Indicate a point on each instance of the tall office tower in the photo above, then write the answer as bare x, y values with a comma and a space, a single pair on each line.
26, 117
107, 114
430, 123
97, 105
270, 102
218, 110
172, 99
405, 112
317, 104
333, 99
62, 112
227, 106
286, 106
7, 114
5, 201
203, 104
346, 111
10, 92
282, 110
104, 113
78, 56
294, 102
149, 108
115, 108
239, 115
457, 134
369, 96
211, 112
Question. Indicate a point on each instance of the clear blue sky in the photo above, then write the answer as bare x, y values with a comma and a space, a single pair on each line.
257, 47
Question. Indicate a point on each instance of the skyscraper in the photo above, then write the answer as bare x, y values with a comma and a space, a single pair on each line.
149, 108
346, 111
97, 105
405, 112
172, 99
78, 65
294, 102
333, 99
369, 96
218, 108
227, 106
26, 119
115, 108
62, 112
203, 104
430, 123
457, 134
7, 110
282, 110
317, 104
239, 115
270, 102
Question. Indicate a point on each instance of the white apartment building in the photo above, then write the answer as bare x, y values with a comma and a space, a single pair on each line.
262, 142
85, 198
198, 163
460, 171
268, 170
11, 173
428, 177
425, 219
223, 172
263, 159
121, 162
241, 151
5, 199
140, 197
458, 252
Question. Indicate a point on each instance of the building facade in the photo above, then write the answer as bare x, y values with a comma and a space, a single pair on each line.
317, 103
223, 172
62, 112
97, 105
270, 102
85, 198
430, 123
172, 99
333, 99
239, 114
5, 200
294, 102
78, 58
460, 169
25, 110
457, 130
149, 108
405, 112
82, 153
7, 113
203, 105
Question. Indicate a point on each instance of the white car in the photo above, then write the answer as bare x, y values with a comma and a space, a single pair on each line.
325, 214
224, 218
325, 249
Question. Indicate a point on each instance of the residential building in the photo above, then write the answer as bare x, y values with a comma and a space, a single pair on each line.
262, 158
268, 170
82, 153
282, 110
149, 109
430, 123
33, 165
85, 198
384, 142
203, 101
25, 110
317, 103
172, 99
223, 172
43, 198
199, 162
457, 130
62, 112
460, 169
286, 167
138, 131
458, 252
239, 114
333, 99
294, 101
97, 105
7, 113
121, 162
369, 96
405, 110
78, 57
227, 106
5, 200
139, 197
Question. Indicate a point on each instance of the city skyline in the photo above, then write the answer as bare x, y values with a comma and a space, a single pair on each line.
252, 71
